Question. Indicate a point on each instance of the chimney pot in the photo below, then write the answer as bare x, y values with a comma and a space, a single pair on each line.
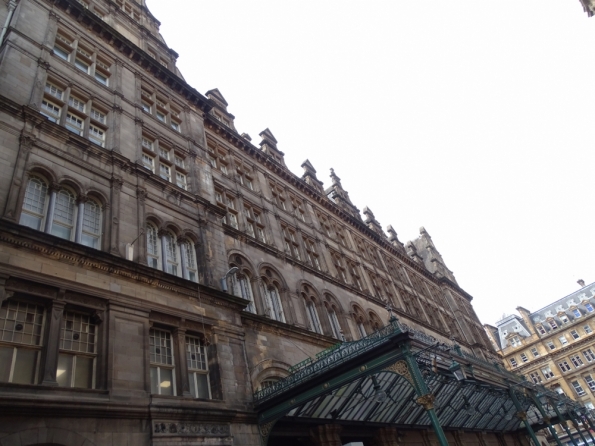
581, 282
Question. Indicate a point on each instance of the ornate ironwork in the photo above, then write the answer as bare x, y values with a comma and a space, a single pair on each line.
400, 368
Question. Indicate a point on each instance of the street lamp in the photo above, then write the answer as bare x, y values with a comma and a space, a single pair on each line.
379, 395
231, 272
456, 369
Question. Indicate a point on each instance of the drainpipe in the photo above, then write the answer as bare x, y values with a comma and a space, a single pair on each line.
12, 4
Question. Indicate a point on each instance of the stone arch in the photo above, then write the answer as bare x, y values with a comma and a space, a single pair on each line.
268, 369
98, 195
374, 320
172, 227
43, 171
72, 184
331, 304
152, 218
46, 437
360, 319
245, 282
271, 281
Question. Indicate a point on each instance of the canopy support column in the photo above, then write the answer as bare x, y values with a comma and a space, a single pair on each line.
546, 418
576, 426
563, 422
589, 427
521, 414
425, 398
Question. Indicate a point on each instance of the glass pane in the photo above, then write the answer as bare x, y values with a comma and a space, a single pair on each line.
192, 385
83, 375
166, 383
154, 387
61, 231
202, 384
5, 363
64, 373
24, 367
30, 221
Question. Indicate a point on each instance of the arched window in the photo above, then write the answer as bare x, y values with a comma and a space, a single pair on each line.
63, 218
188, 251
34, 205
272, 300
313, 321
91, 231
245, 288
334, 321
171, 253
375, 322
153, 248
360, 321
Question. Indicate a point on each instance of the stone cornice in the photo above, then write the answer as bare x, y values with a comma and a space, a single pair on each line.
69, 252
132, 52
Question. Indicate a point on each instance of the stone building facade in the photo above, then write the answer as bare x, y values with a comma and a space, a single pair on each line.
553, 346
156, 266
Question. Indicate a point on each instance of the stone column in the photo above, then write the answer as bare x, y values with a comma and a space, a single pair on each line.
387, 436
116, 188
51, 208
141, 243
326, 435
78, 233
182, 243
50, 364
179, 341
162, 235
19, 178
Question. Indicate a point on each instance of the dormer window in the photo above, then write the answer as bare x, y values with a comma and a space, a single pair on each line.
553, 324
576, 312
589, 307
540, 329
564, 318
515, 341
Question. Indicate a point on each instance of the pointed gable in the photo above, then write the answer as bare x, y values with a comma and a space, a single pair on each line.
269, 146
216, 96
309, 176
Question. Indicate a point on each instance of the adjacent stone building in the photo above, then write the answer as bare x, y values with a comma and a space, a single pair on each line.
553, 346
157, 267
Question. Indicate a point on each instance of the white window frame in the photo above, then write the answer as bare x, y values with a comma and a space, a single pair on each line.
159, 366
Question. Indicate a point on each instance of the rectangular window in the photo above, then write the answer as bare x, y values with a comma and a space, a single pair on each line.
551, 345
162, 363
534, 352
21, 328
198, 368
146, 107
564, 318
578, 389
179, 162
181, 180
54, 91
553, 324
574, 334
535, 377
51, 110
148, 162
514, 341
541, 329
160, 116
589, 355
175, 126
76, 361
576, 360
74, 124
164, 172
576, 312
590, 382
563, 340
164, 154
524, 357
61, 52
547, 372
98, 116
97, 135
101, 78
564, 366
513, 362
589, 308
587, 329
81, 65
147, 144
77, 103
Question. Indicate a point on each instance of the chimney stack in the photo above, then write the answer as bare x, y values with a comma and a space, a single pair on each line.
581, 282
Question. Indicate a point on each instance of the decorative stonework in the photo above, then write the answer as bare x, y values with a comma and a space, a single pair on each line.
426, 401
186, 428
400, 368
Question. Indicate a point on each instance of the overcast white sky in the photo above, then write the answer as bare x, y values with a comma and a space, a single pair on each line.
474, 119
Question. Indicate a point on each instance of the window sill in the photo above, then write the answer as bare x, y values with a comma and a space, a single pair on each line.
38, 387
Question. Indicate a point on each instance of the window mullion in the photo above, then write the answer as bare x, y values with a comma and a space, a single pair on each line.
52, 343
51, 208
182, 385
79, 220
14, 360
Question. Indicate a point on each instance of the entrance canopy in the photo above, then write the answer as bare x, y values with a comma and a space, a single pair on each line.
402, 377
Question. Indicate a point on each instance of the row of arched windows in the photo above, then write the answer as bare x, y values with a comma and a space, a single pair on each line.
322, 314
60, 211
170, 253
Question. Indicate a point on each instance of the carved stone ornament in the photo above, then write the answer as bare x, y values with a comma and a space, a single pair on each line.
400, 368
265, 429
426, 401
188, 428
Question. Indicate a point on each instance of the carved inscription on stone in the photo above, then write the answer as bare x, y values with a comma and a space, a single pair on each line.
161, 428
